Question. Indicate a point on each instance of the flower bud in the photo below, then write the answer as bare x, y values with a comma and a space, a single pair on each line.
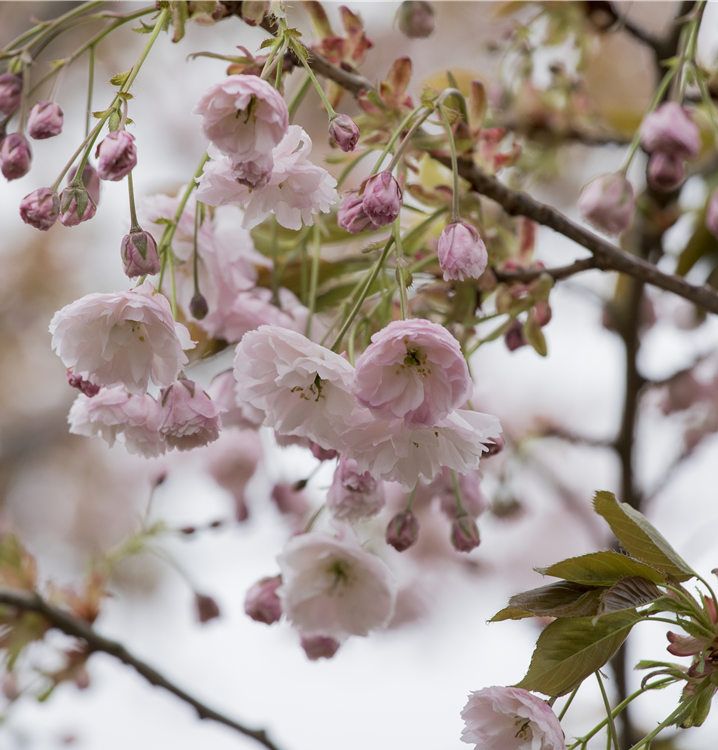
139, 254
665, 172
10, 92
76, 205
402, 531
40, 208
319, 646
262, 603
206, 608
354, 495
345, 132
322, 454
462, 252
670, 129
465, 534
82, 385
351, 215
494, 448
607, 202
712, 214
514, 338
116, 155
416, 19
381, 196
288, 501
198, 306
45, 120
15, 156
90, 179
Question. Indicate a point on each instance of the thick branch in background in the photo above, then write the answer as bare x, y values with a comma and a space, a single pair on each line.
32, 602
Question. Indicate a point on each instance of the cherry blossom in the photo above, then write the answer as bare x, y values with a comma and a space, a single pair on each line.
189, 416
354, 495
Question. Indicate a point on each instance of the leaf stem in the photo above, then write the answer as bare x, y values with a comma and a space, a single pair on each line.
611, 726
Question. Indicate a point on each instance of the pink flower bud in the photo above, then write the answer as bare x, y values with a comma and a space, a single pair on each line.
76, 205
354, 495
381, 196
262, 603
416, 19
402, 531
139, 254
712, 214
607, 202
10, 92
288, 501
351, 215
494, 448
465, 534
190, 418
462, 252
670, 129
322, 454
90, 179
116, 156
15, 155
514, 338
45, 120
665, 172
82, 385
542, 313
40, 208
319, 646
206, 608
345, 132
198, 306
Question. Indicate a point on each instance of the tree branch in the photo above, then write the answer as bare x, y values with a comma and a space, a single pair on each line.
33, 602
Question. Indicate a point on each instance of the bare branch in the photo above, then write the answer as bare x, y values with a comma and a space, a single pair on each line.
33, 602
560, 272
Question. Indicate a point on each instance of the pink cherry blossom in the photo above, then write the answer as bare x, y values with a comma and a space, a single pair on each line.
296, 190
319, 646
243, 116
607, 203
413, 369
462, 252
223, 390
40, 208
302, 387
123, 338
334, 587
472, 499
262, 603
502, 718
116, 155
670, 129
189, 416
354, 495
115, 414
45, 120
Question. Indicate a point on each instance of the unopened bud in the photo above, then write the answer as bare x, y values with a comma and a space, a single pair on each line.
462, 252
416, 19
712, 214
665, 172
206, 607
465, 534
76, 205
319, 646
670, 129
494, 448
45, 121
116, 155
381, 198
10, 92
262, 603
514, 338
351, 215
345, 132
82, 385
288, 501
322, 454
15, 156
198, 307
607, 202
40, 208
90, 179
402, 531
139, 254
354, 495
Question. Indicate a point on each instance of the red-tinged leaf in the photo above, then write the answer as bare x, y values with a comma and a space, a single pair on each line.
397, 81
477, 104
562, 599
601, 569
319, 19
628, 593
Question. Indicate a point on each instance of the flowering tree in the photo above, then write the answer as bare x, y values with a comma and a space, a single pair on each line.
344, 317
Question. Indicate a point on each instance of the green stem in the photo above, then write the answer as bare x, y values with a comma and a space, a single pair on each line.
410, 502
395, 136
314, 278
609, 715
347, 170
712, 593
198, 220
90, 86
365, 291
461, 511
454, 165
400, 270
164, 15
709, 105
402, 146
135, 226
568, 702
646, 741
301, 55
298, 98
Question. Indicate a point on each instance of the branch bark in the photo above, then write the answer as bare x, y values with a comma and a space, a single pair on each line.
33, 602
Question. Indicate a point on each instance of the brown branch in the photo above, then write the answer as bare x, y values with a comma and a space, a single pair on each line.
622, 22
560, 272
33, 602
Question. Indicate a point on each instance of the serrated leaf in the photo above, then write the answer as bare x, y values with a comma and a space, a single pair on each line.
119, 79
628, 593
570, 649
510, 613
696, 706
601, 569
144, 28
559, 600
640, 538
271, 42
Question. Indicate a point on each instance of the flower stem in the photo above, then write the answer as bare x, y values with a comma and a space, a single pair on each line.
461, 511
395, 136
298, 98
314, 278
301, 55
400, 263
646, 741
402, 146
198, 221
454, 165
410, 501
611, 726
568, 702
90, 85
135, 226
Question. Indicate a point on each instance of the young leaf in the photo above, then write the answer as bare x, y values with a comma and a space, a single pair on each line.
628, 593
639, 538
559, 600
120, 78
601, 569
511, 613
570, 649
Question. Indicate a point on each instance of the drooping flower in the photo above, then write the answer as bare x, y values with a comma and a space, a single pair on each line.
40, 208
403, 531
413, 369
464, 534
190, 418
503, 718
116, 155
670, 129
462, 252
15, 156
416, 19
302, 387
345, 132
607, 202
76, 205
665, 171
123, 338
351, 215
319, 646
115, 414
139, 254
334, 587
381, 196
243, 116
295, 191
10, 92
90, 179
45, 120
353, 495
262, 603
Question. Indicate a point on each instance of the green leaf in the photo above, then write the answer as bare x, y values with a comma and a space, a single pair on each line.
144, 28
559, 600
119, 79
601, 569
628, 593
696, 706
271, 42
570, 649
639, 538
510, 613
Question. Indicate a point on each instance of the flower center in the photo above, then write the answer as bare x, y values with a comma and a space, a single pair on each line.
340, 570
313, 392
415, 358
524, 732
